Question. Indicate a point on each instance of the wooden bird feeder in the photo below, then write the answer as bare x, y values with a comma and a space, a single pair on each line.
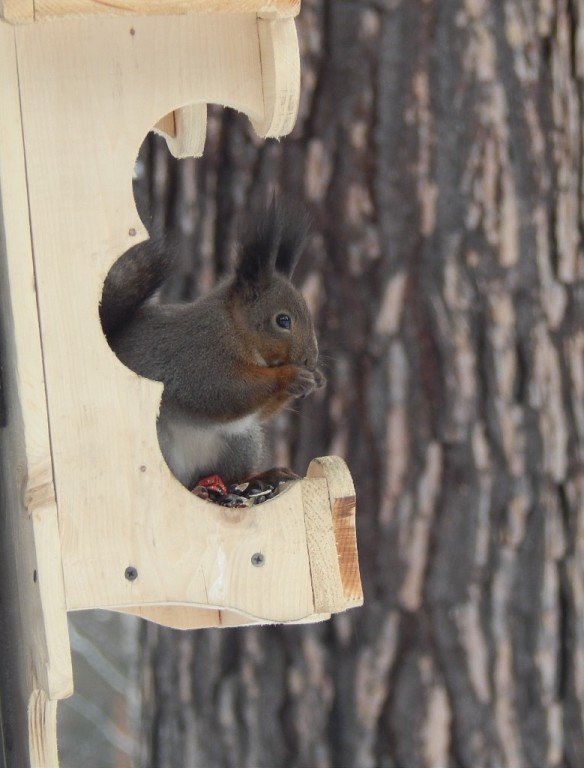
93, 514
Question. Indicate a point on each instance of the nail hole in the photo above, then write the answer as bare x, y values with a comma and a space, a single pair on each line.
132, 232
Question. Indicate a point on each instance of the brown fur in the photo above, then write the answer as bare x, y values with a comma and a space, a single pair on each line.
224, 357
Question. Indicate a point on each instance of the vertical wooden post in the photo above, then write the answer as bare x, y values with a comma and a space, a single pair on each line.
31, 584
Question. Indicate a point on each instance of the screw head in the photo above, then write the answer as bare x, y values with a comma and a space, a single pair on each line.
258, 559
131, 573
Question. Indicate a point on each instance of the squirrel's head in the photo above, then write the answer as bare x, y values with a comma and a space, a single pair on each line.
270, 312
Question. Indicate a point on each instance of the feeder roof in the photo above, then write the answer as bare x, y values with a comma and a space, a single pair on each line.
23, 11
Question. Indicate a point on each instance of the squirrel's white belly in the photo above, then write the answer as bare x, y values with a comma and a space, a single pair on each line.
190, 447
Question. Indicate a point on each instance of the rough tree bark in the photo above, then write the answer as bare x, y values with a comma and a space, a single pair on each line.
439, 146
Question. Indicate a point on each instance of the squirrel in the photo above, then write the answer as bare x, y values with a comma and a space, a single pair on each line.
228, 360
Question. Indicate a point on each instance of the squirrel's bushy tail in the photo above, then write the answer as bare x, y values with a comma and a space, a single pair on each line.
133, 279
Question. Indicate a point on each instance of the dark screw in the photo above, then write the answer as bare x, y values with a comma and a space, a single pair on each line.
131, 573
132, 232
258, 559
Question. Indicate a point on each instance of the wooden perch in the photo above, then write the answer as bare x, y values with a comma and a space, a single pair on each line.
307, 566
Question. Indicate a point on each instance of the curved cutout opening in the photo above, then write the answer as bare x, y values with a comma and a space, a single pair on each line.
180, 309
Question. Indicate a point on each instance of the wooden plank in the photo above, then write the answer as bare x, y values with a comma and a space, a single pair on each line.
28, 477
343, 503
187, 617
185, 128
327, 586
345, 535
177, 617
42, 731
17, 10
33, 598
118, 503
30, 10
280, 61
119, 506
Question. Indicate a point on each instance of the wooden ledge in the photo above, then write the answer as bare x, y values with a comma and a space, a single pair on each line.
23, 11
307, 538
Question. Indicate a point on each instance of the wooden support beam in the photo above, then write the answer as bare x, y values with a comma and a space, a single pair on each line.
36, 658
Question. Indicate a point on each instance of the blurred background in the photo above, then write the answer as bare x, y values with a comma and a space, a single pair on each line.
439, 150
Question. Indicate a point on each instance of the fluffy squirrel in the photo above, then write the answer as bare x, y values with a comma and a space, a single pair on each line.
228, 360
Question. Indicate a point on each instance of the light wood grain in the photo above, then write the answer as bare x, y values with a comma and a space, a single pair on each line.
31, 514
280, 62
42, 731
73, 120
166, 126
184, 130
118, 503
204, 618
33, 596
17, 10
324, 562
21, 11
343, 503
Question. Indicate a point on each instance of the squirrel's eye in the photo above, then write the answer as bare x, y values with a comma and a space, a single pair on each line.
284, 321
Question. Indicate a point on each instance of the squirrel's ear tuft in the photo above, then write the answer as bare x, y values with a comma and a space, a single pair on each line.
295, 224
260, 245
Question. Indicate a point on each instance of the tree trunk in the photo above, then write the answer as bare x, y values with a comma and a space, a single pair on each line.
439, 146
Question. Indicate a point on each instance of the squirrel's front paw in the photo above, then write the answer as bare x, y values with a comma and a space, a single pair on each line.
319, 378
304, 382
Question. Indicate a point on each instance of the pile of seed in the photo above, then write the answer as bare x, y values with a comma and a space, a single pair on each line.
245, 494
